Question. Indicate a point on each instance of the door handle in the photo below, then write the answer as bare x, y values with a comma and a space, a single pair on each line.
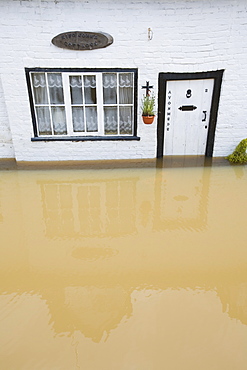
187, 107
205, 115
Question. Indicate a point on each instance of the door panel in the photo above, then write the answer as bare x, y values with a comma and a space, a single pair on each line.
187, 115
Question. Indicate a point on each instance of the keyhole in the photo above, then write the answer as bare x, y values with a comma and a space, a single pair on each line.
189, 93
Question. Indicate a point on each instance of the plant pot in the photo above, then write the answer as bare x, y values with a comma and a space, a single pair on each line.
148, 119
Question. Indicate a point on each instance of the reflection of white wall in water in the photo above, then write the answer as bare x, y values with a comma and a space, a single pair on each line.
1, 216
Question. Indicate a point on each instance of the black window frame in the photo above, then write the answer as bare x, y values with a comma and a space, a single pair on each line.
36, 137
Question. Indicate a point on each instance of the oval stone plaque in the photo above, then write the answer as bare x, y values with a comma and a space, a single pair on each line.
81, 40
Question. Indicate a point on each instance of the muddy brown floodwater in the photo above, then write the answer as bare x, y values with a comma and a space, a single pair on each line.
123, 269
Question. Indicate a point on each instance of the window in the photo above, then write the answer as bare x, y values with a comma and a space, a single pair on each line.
83, 104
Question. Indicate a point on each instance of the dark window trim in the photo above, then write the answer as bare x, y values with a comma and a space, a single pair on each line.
84, 138
163, 78
81, 138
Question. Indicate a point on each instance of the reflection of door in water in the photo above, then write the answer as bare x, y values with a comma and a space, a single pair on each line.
187, 113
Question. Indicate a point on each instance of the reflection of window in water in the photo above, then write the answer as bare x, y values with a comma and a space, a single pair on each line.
105, 208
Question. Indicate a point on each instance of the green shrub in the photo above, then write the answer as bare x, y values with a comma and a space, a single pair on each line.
239, 155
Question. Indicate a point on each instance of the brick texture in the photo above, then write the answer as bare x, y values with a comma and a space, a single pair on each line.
188, 36
6, 145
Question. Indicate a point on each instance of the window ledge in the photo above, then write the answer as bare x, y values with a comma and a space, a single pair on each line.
86, 138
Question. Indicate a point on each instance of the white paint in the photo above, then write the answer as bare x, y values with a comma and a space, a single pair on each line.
186, 130
6, 144
188, 36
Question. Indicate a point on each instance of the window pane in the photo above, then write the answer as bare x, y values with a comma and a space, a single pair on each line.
110, 88
59, 120
110, 120
55, 84
125, 120
91, 119
78, 119
77, 111
125, 88
90, 89
44, 121
76, 89
39, 88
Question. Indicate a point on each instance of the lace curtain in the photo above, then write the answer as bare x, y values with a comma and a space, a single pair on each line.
76, 94
39, 88
50, 105
54, 87
111, 120
44, 121
83, 92
126, 120
79, 120
125, 85
112, 82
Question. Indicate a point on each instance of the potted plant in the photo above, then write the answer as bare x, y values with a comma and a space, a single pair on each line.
148, 103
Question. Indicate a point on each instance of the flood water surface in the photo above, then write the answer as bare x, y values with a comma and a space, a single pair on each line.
123, 269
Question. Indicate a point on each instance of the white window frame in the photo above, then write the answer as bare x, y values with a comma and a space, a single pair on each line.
99, 104
68, 104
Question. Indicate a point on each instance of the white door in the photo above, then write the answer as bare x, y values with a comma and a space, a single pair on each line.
187, 113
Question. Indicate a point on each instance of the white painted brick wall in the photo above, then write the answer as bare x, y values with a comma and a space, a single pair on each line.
188, 36
6, 145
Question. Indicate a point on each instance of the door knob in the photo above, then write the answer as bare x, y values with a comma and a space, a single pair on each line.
205, 115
